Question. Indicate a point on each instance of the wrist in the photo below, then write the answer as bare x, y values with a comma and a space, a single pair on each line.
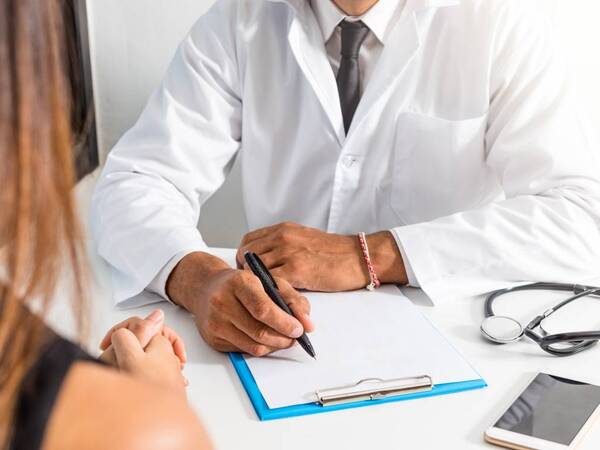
386, 258
190, 275
360, 276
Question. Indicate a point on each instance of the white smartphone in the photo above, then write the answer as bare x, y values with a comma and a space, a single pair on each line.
552, 413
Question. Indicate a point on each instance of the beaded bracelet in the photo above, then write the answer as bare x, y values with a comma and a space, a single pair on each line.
375, 283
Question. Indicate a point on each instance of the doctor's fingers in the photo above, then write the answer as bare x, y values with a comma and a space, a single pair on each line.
298, 303
259, 246
144, 329
253, 297
294, 273
234, 340
268, 231
275, 258
264, 239
257, 331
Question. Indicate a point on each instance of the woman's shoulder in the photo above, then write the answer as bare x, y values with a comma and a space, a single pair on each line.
99, 408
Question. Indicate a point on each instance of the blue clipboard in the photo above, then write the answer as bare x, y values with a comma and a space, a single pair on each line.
265, 413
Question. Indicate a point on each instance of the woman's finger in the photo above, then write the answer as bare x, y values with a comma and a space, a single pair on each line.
160, 347
108, 356
176, 342
124, 324
160, 344
146, 329
127, 348
143, 329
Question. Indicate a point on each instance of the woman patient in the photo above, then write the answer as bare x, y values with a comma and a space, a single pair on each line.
52, 394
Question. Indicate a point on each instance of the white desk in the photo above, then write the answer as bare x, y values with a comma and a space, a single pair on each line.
447, 422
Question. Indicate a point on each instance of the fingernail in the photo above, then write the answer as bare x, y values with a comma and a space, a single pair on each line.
156, 316
297, 332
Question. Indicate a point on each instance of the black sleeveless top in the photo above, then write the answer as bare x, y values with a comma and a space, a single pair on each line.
40, 389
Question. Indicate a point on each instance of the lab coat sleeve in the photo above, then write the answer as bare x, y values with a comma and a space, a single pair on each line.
547, 227
147, 202
159, 284
410, 273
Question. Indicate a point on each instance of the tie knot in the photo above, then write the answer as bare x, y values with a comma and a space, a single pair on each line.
353, 36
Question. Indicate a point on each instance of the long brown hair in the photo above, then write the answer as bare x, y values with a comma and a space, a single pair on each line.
39, 235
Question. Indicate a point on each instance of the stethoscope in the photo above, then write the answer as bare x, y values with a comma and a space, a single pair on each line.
504, 329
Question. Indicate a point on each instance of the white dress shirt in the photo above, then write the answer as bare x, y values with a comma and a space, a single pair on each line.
465, 142
380, 19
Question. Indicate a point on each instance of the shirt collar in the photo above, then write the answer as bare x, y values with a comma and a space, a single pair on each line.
379, 18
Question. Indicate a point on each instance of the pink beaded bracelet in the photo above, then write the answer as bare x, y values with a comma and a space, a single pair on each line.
375, 283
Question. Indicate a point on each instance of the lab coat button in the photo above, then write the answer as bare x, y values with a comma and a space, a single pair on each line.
349, 161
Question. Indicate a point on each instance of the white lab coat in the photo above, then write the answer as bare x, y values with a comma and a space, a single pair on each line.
466, 143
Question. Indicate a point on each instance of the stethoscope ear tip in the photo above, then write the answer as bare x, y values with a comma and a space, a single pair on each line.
501, 329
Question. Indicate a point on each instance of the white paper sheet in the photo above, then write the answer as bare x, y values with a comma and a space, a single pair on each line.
359, 335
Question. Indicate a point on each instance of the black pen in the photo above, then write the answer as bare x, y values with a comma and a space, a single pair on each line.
270, 286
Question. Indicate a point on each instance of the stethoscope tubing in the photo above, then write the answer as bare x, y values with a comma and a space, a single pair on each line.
543, 286
580, 340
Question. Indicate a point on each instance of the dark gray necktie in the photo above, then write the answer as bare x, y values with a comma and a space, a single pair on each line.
348, 77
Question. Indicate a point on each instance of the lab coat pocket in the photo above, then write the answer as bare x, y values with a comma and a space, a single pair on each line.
438, 167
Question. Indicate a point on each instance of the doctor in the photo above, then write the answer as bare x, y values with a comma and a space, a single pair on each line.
444, 129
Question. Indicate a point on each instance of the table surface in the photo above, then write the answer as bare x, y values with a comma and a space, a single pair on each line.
455, 421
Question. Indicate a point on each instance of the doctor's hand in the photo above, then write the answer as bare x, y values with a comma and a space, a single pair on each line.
314, 260
232, 310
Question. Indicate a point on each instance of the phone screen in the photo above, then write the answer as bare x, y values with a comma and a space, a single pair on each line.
551, 408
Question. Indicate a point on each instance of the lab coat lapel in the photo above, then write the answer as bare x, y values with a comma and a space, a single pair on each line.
307, 45
306, 41
402, 45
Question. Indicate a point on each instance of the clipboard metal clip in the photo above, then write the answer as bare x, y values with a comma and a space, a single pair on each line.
373, 389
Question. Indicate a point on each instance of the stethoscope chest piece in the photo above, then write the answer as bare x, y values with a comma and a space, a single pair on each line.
501, 329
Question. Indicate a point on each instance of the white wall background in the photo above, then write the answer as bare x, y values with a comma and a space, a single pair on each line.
134, 40
578, 27
132, 44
